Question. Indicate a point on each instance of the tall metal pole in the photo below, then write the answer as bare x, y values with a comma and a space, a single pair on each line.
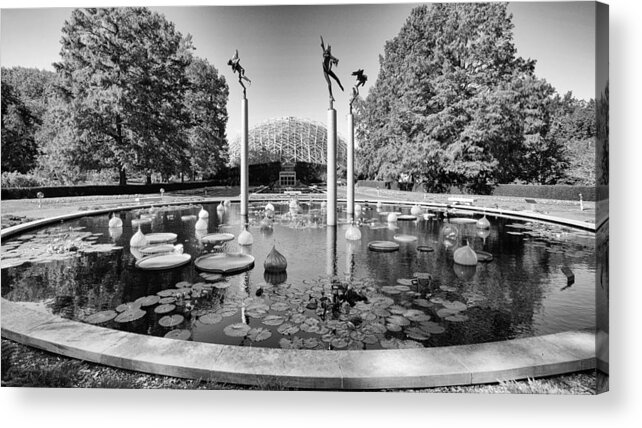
244, 159
350, 181
332, 168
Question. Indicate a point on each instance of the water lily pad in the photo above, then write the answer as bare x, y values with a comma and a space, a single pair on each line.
226, 263
310, 343
148, 301
394, 327
390, 289
411, 313
208, 276
273, 320
259, 334
179, 334
256, 313
397, 309
310, 325
164, 309
128, 306
339, 343
217, 238
280, 306
455, 306
221, 285
151, 250
288, 329
381, 301
425, 249
370, 339
392, 343
422, 302
383, 246
409, 344
457, 318
171, 320
448, 288
227, 311
210, 318
183, 284
167, 293
166, 300
405, 238
237, 330
398, 320
355, 345
100, 317
405, 281
163, 261
431, 327
402, 288
196, 313
370, 316
381, 312
417, 333
159, 238
130, 315
298, 318
375, 328
291, 343
445, 312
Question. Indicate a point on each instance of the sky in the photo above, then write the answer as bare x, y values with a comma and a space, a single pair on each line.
279, 47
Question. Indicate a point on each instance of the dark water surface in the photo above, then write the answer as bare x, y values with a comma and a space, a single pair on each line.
78, 268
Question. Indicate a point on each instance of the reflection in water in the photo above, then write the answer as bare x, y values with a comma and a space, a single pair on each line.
518, 294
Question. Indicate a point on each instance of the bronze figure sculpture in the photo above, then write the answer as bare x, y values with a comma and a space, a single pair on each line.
235, 63
328, 62
361, 80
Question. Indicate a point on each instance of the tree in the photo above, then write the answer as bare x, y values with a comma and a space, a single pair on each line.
19, 149
123, 73
206, 104
453, 105
33, 86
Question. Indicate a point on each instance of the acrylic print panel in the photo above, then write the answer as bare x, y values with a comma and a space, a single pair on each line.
451, 134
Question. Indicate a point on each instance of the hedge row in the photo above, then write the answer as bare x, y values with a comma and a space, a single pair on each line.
559, 192
130, 189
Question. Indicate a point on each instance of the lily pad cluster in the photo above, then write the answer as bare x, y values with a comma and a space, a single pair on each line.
51, 245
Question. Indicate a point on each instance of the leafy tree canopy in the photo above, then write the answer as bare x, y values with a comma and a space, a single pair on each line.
123, 73
454, 106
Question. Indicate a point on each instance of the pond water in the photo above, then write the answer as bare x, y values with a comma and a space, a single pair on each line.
336, 294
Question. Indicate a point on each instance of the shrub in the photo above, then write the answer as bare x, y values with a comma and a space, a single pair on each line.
17, 179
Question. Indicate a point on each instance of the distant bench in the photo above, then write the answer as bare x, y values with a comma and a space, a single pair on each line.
148, 199
293, 192
461, 200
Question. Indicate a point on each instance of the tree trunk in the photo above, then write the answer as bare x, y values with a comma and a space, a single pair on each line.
149, 179
123, 177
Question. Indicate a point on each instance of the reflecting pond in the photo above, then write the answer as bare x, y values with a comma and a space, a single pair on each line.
335, 294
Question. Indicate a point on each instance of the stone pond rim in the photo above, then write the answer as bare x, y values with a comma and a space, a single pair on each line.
538, 356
